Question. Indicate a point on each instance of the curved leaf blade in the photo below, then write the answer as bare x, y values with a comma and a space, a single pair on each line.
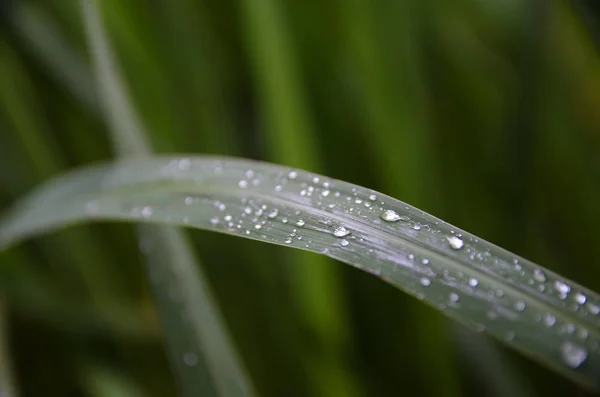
538, 312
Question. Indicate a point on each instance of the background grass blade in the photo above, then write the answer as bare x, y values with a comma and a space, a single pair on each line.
7, 385
538, 312
195, 331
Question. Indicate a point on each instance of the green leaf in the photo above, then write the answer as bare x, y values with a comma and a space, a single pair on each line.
531, 309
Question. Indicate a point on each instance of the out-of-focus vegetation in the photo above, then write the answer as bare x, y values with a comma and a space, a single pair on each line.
484, 113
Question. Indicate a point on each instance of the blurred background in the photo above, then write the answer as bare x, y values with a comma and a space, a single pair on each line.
483, 113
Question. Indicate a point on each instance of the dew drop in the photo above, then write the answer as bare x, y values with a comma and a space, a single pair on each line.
249, 174
248, 210
284, 220
344, 243
292, 175
325, 193
243, 184
273, 213
520, 306
288, 240
147, 212
341, 231
580, 298
315, 180
372, 197
214, 221
277, 188
301, 223
221, 207
227, 218
573, 354
184, 164
454, 297
417, 227
425, 261
593, 309
390, 216
473, 282
549, 320
561, 287
539, 275
258, 226
425, 282
455, 242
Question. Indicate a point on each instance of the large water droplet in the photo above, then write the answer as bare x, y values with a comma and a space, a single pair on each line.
562, 288
455, 242
580, 298
573, 354
390, 216
301, 223
341, 231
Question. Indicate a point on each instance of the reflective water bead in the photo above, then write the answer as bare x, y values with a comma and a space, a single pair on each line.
341, 231
455, 242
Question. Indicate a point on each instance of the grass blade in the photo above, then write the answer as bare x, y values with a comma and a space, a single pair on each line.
202, 356
531, 309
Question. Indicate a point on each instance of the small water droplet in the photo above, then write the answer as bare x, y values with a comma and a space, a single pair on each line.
214, 221
292, 175
372, 197
184, 164
284, 220
562, 287
325, 193
580, 298
573, 354
344, 243
390, 216
273, 213
227, 218
315, 179
147, 212
221, 207
277, 188
520, 306
425, 282
257, 226
425, 261
473, 282
300, 223
455, 242
190, 359
341, 231
249, 174
593, 309
248, 210
288, 240
539, 275
549, 320
243, 184
417, 227
411, 257
454, 297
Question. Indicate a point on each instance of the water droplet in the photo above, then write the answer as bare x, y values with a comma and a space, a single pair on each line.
372, 197
249, 174
288, 240
425, 261
549, 320
325, 193
473, 282
292, 175
184, 164
300, 223
454, 297
341, 231
539, 275
390, 216
411, 257
580, 298
425, 282
243, 184
221, 207
284, 220
273, 213
344, 243
573, 354
277, 188
147, 212
190, 359
248, 210
520, 306
417, 227
257, 226
315, 179
455, 242
214, 221
593, 309
562, 288
227, 218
